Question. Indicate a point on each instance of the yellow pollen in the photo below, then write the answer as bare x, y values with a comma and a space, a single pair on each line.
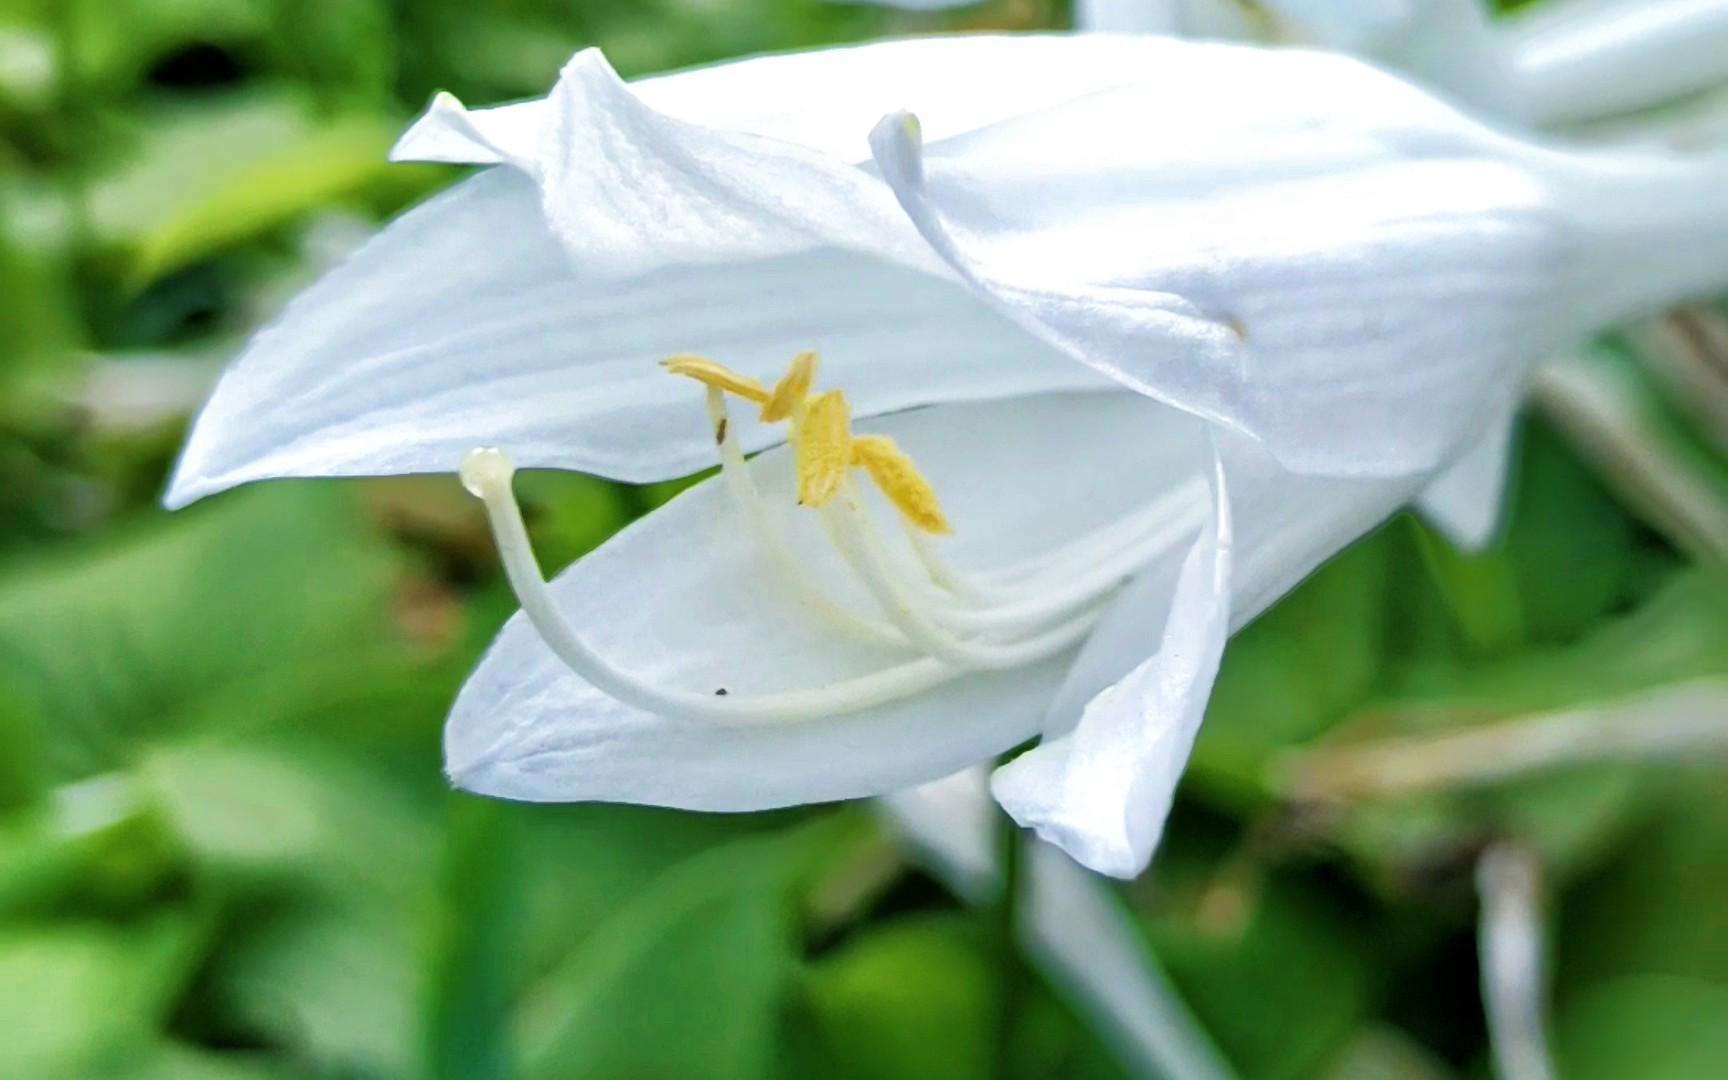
792, 389
708, 373
902, 483
824, 449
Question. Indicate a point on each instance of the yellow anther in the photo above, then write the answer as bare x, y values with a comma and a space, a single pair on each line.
899, 479
823, 448
792, 389
708, 373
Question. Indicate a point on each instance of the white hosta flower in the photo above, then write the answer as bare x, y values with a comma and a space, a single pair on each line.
1182, 320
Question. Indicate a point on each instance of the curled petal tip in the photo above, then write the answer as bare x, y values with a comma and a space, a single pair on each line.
897, 142
444, 132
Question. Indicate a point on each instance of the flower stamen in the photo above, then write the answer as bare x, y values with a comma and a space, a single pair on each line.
488, 473
859, 543
893, 473
1006, 618
824, 448
939, 611
708, 373
822, 451
764, 527
792, 389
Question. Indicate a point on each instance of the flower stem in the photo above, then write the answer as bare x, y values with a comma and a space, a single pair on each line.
1680, 721
1514, 962
1012, 841
1605, 412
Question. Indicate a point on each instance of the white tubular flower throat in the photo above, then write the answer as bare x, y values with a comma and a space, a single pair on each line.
949, 622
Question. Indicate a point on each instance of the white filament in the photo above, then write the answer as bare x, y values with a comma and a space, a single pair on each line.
764, 528
852, 533
1086, 572
487, 475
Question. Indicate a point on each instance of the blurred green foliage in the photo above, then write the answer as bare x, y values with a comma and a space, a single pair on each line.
226, 848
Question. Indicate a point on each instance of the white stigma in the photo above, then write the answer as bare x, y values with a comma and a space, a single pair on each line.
486, 471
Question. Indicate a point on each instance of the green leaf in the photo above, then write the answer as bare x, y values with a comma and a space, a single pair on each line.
174, 1061
343, 49
77, 1000
1479, 591
378, 700
1574, 818
59, 1006
211, 175
334, 982
475, 943
1653, 1027
646, 497
1659, 464
331, 861
913, 1000
38, 323
99, 846
29, 74
1573, 813
23, 771
116, 643
1575, 552
572, 513
1384, 1053
1678, 634
114, 43
1281, 990
686, 978
582, 859
1295, 671
326, 165
1658, 907
266, 808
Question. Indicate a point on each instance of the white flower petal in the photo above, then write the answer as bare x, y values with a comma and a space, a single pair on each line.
827, 99
1345, 268
1117, 707
1465, 502
466, 324
1102, 792
684, 598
